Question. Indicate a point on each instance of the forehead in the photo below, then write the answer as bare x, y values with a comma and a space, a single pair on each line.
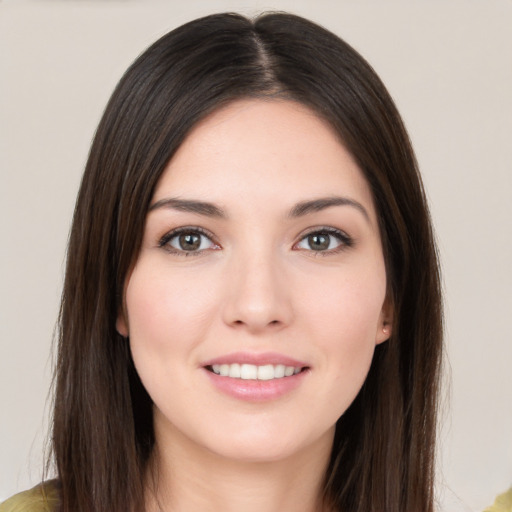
274, 151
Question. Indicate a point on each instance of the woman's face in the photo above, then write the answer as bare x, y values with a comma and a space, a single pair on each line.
259, 293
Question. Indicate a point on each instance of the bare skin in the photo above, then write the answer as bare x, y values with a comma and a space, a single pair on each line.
190, 479
262, 248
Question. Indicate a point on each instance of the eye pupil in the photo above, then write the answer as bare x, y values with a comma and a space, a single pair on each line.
318, 241
189, 241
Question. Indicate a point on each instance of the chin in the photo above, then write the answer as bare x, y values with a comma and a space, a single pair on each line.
260, 445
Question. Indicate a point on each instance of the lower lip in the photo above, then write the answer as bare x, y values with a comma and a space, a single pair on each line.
256, 390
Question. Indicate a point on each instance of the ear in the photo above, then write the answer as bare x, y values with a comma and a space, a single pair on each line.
122, 324
385, 324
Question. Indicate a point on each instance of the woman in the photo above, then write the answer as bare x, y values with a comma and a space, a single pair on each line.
251, 315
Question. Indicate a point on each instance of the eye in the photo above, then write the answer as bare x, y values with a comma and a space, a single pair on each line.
187, 241
328, 240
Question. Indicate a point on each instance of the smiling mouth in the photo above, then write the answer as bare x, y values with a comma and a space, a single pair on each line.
255, 372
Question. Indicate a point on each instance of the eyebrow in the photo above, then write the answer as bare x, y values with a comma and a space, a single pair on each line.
316, 205
299, 210
189, 205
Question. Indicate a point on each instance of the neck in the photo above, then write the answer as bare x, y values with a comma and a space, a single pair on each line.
187, 477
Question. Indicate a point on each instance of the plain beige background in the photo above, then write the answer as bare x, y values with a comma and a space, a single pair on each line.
448, 64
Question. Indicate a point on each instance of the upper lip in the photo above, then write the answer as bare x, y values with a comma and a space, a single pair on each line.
260, 359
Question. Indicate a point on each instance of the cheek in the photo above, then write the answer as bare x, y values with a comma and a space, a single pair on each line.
162, 308
349, 307
344, 319
168, 315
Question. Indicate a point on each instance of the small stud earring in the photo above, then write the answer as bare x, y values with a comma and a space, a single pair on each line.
385, 329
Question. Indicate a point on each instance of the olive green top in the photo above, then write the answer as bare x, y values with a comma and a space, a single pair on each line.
42, 498
503, 503
45, 498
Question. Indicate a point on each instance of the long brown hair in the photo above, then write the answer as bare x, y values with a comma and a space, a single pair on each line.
383, 454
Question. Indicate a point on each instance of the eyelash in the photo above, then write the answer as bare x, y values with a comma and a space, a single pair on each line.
188, 230
345, 240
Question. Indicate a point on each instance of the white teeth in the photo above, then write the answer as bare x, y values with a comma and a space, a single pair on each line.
253, 372
279, 371
265, 372
248, 371
234, 370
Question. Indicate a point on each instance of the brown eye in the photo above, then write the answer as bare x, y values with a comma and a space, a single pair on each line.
328, 240
187, 241
319, 241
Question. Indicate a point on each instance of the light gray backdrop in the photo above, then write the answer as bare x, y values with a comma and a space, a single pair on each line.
448, 65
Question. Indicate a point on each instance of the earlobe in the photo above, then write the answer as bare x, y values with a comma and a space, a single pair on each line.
121, 325
384, 328
383, 333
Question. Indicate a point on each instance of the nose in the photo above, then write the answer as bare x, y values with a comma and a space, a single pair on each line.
258, 294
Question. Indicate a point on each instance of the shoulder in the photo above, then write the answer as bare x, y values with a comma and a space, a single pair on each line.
503, 503
42, 498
